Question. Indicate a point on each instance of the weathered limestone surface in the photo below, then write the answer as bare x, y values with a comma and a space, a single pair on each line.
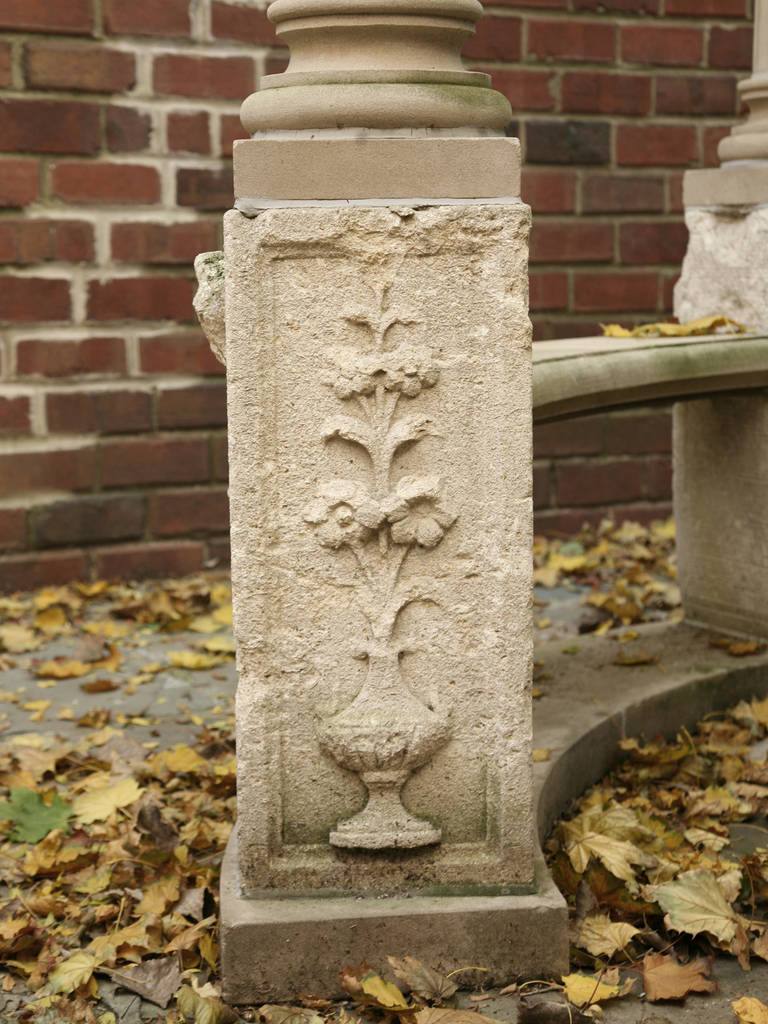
723, 270
379, 382
721, 494
209, 301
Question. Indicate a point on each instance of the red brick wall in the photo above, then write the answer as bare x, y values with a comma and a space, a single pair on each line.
116, 125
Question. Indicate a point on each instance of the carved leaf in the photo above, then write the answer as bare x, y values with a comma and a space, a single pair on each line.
351, 429
409, 428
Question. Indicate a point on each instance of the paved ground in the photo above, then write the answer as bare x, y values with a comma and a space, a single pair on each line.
169, 706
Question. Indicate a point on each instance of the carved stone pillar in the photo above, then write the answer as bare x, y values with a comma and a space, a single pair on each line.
379, 391
721, 460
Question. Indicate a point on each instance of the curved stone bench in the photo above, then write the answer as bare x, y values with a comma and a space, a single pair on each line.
720, 444
581, 375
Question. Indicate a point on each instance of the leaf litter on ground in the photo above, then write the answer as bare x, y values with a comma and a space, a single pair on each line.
112, 848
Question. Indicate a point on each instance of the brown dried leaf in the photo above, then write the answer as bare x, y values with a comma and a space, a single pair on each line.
664, 977
422, 980
155, 980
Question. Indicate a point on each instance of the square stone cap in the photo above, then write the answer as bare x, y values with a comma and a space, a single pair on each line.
376, 168
744, 184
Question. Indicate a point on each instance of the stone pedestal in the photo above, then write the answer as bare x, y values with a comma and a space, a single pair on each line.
721, 444
378, 354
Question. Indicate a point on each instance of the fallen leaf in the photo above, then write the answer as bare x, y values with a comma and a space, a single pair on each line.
602, 937
201, 1010
18, 639
638, 657
541, 754
99, 686
586, 989
271, 1013
442, 1015
74, 972
664, 977
192, 660
695, 903
750, 1010
154, 980
97, 804
422, 980
33, 818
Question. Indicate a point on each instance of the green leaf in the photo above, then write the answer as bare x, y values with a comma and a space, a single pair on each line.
33, 818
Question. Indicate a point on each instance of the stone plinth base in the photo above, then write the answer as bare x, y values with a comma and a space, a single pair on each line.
272, 949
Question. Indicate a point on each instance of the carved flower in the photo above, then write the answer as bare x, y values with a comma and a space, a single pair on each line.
416, 512
405, 369
345, 514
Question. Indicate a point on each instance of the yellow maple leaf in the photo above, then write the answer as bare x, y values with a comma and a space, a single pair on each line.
587, 989
220, 645
191, 659
602, 937
97, 804
18, 639
205, 624
750, 1010
74, 972
180, 758
541, 754
159, 895
224, 614
52, 620
385, 993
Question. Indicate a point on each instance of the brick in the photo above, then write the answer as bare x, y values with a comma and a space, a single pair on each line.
178, 512
639, 433
668, 283
495, 38
63, 16
230, 129
162, 243
658, 478
558, 522
96, 183
32, 240
67, 469
546, 328
582, 435
147, 18
276, 63
675, 190
155, 460
730, 48
88, 520
220, 458
127, 130
98, 412
669, 145
597, 483
207, 77
549, 191
571, 241
6, 67
568, 142
696, 94
548, 291
673, 45
178, 352
708, 8
647, 243
146, 561
525, 89
70, 358
598, 292
26, 299
613, 193
13, 530
19, 181
618, 6
242, 24
204, 405
711, 137
542, 484
27, 572
78, 67
189, 133
205, 189
572, 40
48, 126
591, 92
141, 298
14, 415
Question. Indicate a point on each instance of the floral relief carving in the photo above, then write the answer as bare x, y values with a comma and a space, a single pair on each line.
386, 732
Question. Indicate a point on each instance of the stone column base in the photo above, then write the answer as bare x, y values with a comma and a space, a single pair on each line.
721, 494
274, 948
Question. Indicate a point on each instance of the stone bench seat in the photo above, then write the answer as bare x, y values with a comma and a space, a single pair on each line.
720, 446
580, 375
